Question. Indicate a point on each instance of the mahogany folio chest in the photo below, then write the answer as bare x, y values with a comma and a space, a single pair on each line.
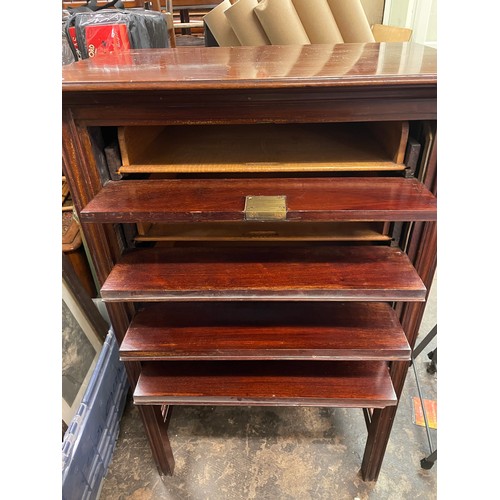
261, 220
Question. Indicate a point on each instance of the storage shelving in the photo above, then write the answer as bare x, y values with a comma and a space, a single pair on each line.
267, 243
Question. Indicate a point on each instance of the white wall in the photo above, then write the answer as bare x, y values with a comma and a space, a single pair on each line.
419, 15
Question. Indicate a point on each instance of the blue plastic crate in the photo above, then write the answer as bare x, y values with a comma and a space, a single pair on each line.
91, 436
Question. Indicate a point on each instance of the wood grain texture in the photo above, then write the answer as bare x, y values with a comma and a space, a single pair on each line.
372, 273
257, 330
371, 82
266, 383
422, 250
82, 174
263, 148
276, 66
216, 106
155, 427
136, 141
393, 139
308, 199
316, 84
262, 231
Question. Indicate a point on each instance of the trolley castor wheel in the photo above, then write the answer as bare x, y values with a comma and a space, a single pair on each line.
431, 369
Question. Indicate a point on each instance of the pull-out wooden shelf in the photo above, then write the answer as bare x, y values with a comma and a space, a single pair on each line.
350, 273
223, 200
362, 384
256, 330
264, 147
250, 231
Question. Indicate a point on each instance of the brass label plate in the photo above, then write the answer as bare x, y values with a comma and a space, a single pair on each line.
265, 207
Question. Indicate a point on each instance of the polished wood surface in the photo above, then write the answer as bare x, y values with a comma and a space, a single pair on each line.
421, 248
207, 86
267, 383
256, 330
266, 66
373, 273
279, 84
307, 199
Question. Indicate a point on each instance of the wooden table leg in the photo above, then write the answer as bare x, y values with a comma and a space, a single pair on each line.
156, 426
378, 434
424, 260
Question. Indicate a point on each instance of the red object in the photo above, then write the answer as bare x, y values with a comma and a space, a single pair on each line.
72, 34
106, 38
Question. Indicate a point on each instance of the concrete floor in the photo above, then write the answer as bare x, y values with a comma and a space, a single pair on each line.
234, 453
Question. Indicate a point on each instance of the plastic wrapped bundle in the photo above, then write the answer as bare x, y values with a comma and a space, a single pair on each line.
113, 30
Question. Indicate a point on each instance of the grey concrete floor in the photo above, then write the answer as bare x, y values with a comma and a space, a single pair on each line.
236, 453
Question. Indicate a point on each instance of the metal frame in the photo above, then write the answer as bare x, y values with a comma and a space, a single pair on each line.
428, 461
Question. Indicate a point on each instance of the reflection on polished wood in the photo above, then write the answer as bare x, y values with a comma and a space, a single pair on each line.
345, 384
315, 84
190, 67
251, 85
257, 330
373, 273
223, 200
